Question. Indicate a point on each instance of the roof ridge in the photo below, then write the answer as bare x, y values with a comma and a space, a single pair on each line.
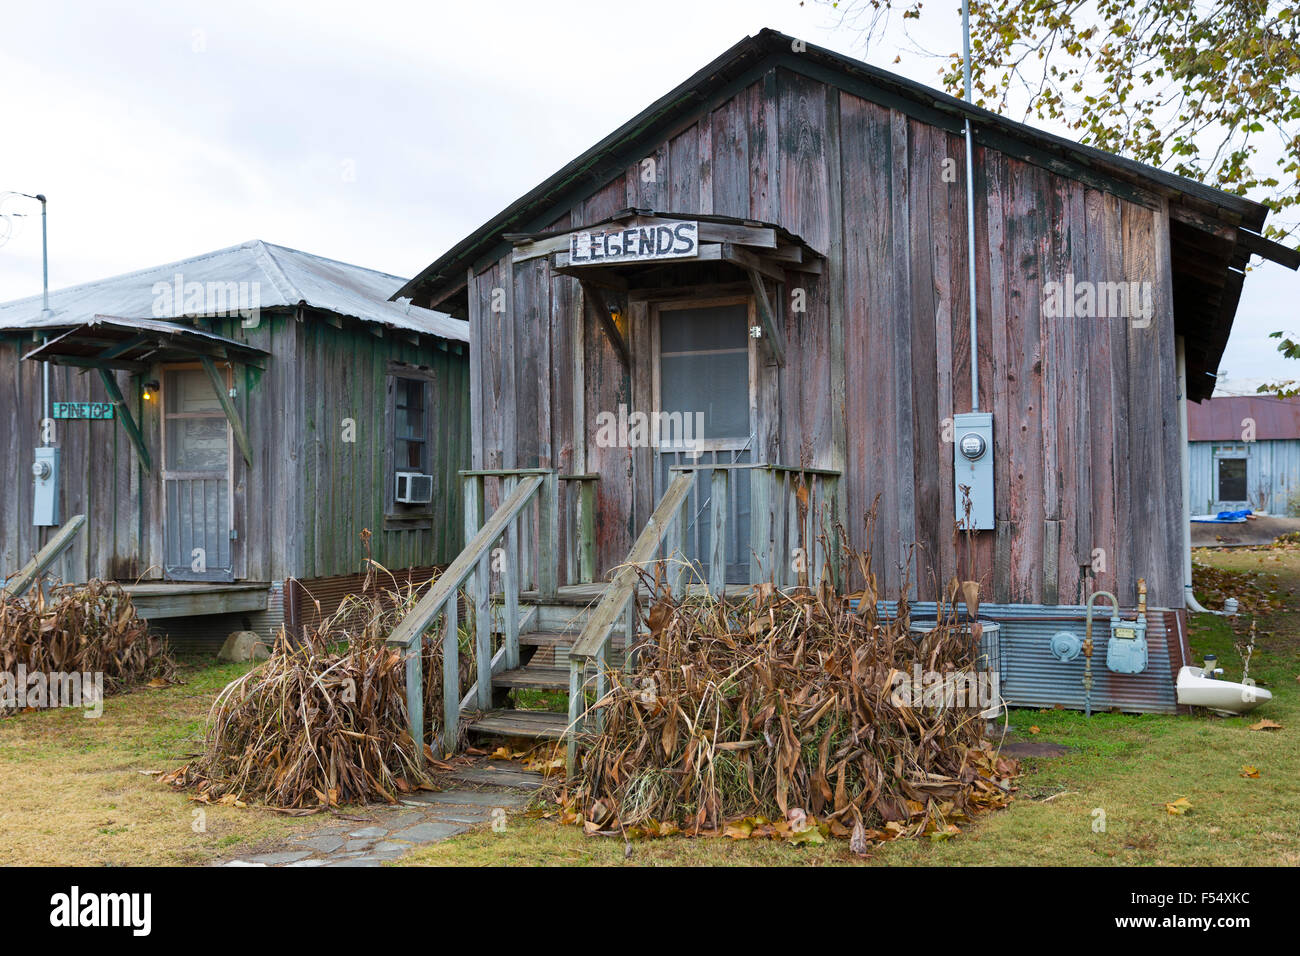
271, 266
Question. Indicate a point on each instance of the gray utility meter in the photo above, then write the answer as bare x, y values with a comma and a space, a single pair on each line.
45, 478
973, 467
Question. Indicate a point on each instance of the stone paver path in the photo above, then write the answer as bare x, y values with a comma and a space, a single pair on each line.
389, 832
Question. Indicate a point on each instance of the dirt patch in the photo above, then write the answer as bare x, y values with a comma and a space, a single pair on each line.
1033, 748
1252, 532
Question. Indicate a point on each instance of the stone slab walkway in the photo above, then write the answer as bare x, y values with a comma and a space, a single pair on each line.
390, 831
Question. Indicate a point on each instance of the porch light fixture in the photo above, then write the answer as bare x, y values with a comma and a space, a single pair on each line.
150, 390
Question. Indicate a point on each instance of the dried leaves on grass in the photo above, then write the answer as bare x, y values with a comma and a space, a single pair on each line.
81, 628
323, 722
773, 716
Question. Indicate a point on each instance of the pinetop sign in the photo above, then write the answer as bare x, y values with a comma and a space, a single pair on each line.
97, 411
670, 239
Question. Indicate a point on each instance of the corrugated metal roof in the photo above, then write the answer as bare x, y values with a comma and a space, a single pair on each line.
285, 278
1220, 419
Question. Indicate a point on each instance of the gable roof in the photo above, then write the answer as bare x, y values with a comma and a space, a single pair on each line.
1220, 419
285, 278
1212, 236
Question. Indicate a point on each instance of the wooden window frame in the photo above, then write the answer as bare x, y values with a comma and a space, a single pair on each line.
399, 516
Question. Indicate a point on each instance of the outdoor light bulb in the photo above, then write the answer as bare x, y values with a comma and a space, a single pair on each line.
149, 389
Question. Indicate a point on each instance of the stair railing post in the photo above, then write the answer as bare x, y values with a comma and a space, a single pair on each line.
587, 530
480, 584
510, 585
761, 559
718, 532
576, 665
548, 537
415, 696
450, 675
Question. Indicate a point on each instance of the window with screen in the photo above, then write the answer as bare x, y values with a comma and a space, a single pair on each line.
410, 437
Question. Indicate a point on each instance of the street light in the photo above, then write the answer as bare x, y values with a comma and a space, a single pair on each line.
45, 309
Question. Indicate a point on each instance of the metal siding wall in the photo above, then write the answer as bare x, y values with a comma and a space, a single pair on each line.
1034, 678
1272, 475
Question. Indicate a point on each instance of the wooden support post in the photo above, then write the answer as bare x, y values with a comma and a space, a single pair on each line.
780, 537
718, 532
548, 537
771, 330
480, 589
671, 554
587, 530
415, 696
797, 534
602, 683
761, 560
450, 675
124, 415
594, 300
575, 714
510, 585
833, 538
483, 629
679, 571
232, 414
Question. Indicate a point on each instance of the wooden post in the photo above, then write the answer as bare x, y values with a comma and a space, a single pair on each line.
415, 696
33, 569
450, 675
480, 584
124, 415
510, 584
780, 548
587, 530
232, 414
548, 537
718, 532
602, 683
760, 521
575, 714
679, 573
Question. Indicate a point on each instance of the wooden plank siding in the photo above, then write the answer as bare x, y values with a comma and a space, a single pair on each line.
298, 510
878, 360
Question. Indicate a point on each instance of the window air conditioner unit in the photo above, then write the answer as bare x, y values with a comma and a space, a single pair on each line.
414, 488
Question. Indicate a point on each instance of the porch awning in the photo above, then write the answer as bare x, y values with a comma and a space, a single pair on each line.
630, 250
133, 345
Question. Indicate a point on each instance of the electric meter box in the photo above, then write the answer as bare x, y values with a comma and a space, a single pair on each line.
45, 481
972, 451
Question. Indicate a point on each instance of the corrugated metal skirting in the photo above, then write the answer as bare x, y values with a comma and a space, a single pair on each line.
1033, 677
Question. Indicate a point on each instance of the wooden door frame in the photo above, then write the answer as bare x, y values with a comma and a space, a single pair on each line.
704, 302
237, 542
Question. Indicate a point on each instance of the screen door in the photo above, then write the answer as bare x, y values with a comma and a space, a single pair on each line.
197, 528
703, 394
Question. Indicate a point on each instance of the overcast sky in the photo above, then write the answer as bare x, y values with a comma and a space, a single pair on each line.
377, 133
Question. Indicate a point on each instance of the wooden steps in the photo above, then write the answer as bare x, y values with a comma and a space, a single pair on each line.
533, 678
537, 724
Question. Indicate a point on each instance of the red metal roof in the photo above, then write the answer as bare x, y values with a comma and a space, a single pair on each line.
1220, 419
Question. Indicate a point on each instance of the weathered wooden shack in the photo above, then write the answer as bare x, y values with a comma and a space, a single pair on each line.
1244, 452
777, 250
230, 425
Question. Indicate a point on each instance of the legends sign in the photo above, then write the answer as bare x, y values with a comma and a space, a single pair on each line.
92, 410
671, 239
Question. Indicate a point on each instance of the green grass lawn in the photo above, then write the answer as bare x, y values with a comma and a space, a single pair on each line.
75, 792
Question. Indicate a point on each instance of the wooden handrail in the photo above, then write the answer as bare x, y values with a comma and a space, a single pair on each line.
443, 599
20, 582
419, 618
614, 603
